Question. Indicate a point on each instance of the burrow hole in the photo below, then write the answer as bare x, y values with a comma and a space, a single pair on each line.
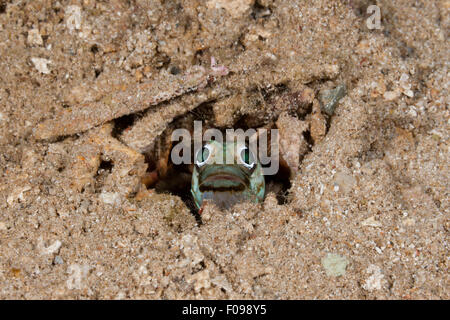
177, 179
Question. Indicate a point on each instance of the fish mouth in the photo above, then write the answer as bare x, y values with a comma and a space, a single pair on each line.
224, 178
222, 182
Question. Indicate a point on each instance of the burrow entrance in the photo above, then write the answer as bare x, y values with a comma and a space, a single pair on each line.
166, 177
176, 179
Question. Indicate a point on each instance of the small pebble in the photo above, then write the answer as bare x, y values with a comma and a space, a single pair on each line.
236, 8
375, 281
330, 98
58, 260
112, 198
41, 65
412, 111
409, 93
53, 248
334, 265
391, 95
371, 222
34, 38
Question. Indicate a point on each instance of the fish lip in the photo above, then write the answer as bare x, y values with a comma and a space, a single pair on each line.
234, 182
223, 170
223, 178
237, 183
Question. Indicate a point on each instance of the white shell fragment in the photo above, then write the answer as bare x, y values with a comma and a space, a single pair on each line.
34, 38
41, 65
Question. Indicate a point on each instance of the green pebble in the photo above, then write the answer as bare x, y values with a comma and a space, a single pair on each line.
330, 98
334, 265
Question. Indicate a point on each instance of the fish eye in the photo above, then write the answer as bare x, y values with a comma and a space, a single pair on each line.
247, 158
203, 155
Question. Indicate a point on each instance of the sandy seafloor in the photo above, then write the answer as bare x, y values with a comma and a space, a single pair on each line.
87, 88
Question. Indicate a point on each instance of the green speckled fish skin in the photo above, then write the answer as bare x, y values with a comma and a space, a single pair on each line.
226, 184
